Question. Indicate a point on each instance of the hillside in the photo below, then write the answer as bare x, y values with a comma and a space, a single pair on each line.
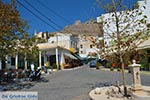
89, 28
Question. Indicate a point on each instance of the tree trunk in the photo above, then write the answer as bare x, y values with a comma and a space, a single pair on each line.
123, 76
119, 48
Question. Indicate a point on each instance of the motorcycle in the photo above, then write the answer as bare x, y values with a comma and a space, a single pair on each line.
35, 75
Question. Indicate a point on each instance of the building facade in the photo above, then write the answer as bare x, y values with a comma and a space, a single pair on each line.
86, 46
64, 40
143, 6
58, 50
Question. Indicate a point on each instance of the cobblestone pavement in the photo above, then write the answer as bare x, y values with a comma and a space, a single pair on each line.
77, 83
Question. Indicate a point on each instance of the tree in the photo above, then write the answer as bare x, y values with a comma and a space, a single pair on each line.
12, 26
27, 47
125, 28
14, 38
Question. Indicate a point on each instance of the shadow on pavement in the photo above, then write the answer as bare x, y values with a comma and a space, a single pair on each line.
104, 84
19, 84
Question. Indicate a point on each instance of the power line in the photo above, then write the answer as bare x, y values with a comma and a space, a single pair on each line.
36, 15
42, 14
54, 12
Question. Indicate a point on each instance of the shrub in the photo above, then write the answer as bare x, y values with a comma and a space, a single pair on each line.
111, 69
143, 66
54, 66
108, 64
118, 69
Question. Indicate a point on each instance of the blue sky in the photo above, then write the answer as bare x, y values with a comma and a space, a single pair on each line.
71, 10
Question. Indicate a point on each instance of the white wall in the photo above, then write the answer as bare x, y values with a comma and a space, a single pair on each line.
64, 40
112, 27
146, 11
90, 50
9, 63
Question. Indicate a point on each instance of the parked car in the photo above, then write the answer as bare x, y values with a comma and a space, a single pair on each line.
93, 64
84, 61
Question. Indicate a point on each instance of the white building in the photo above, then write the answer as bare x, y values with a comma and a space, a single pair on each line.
85, 46
57, 46
42, 35
58, 50
111, 20
64, 40
10, 63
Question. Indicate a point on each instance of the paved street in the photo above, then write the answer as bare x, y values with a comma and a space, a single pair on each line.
76, 84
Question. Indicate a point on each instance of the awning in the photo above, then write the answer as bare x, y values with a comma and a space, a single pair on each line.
70, 55
49, 46
77, 56
144, 45
45, 46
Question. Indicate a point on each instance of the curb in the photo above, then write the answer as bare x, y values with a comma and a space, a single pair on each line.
115, 70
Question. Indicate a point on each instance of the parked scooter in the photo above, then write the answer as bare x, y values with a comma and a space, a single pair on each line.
35, 75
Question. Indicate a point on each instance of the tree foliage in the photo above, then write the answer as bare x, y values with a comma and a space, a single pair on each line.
27, 47
14, 38
12, 26
125, 28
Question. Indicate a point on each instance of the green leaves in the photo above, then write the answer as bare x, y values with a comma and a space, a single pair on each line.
148, 25
145, 16
12, 27
143, 20
140, 13
125, 28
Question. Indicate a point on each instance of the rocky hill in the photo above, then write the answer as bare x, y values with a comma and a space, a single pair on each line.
89, 28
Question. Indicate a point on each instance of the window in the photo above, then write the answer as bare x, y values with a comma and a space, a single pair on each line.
52, 41
90, 46
42, 35
12, 61
81, 52
81, 46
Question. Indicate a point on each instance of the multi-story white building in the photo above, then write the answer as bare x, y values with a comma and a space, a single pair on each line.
58, 49
64, 40
144, 6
